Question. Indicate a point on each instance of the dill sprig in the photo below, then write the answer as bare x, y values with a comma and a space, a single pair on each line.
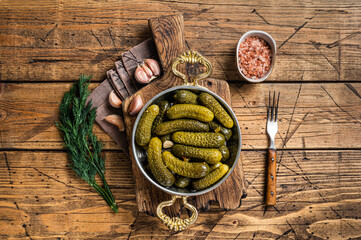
76, 119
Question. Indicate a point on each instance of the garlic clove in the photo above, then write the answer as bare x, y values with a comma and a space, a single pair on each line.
147, 70
116, 120
168, 144
114, 101
136, 105
154, 66
140, 75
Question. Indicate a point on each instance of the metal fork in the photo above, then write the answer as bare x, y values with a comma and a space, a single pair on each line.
272, 128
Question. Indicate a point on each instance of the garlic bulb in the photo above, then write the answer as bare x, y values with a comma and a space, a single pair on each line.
147, 71
114, 101
116, 120
136, 105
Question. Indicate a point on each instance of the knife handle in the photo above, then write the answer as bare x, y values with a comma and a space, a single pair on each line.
271, 178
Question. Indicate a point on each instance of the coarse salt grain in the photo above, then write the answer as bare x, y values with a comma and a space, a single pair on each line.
254, 57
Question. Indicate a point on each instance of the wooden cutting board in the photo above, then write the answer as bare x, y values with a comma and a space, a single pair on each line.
168, 33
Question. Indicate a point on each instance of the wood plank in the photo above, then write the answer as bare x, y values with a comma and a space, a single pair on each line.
58, 41
318, 196
55, 41
312, 116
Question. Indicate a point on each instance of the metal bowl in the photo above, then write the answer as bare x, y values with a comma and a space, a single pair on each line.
140, 154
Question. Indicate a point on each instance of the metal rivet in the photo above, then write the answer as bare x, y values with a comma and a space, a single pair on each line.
271, 176
272, 159
271, 193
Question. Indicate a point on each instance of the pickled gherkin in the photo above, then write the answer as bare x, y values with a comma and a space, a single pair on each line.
185, 169
214, 166
218, 128
143, 132
210, 155
190, 111
166, 138
156, 165
185, 96
225, 152
211, 178
200, 139
182, 182
188, 125
220, 113
163, 108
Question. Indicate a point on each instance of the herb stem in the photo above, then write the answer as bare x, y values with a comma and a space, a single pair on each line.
104, 195
76, 120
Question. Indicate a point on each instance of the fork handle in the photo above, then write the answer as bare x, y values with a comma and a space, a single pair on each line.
271, 178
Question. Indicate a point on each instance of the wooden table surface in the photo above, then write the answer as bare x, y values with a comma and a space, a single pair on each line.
45, 45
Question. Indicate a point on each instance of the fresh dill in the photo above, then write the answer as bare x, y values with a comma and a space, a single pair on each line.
76, 119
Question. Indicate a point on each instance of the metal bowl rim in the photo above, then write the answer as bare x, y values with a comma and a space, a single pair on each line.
136, 124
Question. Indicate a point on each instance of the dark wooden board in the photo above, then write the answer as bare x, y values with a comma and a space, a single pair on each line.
169, 39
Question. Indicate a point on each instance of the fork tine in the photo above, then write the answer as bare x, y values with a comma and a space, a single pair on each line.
276, 111
273, 107
269, 106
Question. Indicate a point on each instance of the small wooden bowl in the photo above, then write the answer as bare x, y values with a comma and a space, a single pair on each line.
271, 42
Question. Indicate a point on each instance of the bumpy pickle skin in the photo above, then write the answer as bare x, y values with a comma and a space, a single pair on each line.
185, 169
166, 138
225, 152
214, 166
188, 125
182, 182
211, 178
185, 96
233, 149
219, 128
219, 112
210, 155
200, 139
190, 111
156, 165
163, 108
143, 132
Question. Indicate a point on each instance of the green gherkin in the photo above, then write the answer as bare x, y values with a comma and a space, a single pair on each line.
214, 166
186, 169
156, 165
225, 152
182, 182
210, 155
143, 132
163, 108
211, 178
200, 139
190, 111
188, 125
220, 113
185, 96
166, 138
219, 128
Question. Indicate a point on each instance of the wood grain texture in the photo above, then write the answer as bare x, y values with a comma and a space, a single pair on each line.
46, 44
57, 40
41, 197
312, 115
